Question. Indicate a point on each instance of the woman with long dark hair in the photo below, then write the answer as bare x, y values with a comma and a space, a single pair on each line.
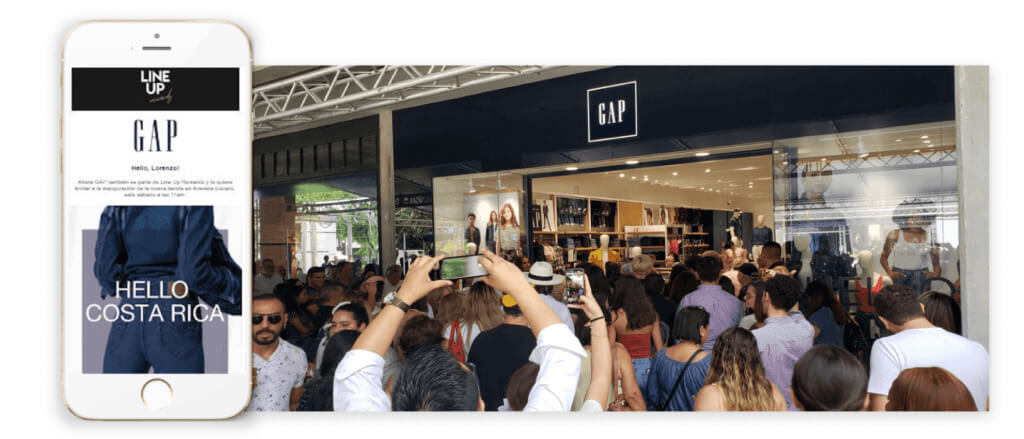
828, 378
678, 372
736, 380
685, 283
318, 395
752, 294
942, 311
491, 235
636, 325
826, 314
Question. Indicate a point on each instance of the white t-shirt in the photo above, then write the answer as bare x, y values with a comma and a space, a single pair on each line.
276, 377
468, 334
930, 347
748, 321
265, 285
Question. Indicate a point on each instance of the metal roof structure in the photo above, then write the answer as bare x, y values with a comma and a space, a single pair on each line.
322, 94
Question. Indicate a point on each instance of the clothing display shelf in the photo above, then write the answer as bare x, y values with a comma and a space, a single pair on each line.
650, 235
688, 239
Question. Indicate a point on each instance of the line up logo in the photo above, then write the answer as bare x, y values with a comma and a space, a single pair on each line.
156, 81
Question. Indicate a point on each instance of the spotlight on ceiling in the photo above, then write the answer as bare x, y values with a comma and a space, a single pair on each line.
632, 162
703, 154
572, 168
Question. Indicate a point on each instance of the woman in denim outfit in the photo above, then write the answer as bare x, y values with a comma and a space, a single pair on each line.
161, 245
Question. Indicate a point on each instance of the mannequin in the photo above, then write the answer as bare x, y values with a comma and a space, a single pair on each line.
604, 254
734, 228
803, 245
866, 261
762, 234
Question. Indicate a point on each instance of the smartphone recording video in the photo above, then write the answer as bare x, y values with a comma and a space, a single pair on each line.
574, 285
461, 267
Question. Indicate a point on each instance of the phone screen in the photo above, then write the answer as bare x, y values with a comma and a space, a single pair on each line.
574, 285
157, 215
460, 267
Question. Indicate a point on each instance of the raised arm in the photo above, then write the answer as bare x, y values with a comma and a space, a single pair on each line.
506, 277
381, 331
600, 350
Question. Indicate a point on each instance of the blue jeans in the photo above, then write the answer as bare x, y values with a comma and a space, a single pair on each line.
911, 278
642, 369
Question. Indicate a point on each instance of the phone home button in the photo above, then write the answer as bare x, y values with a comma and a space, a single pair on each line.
157, 393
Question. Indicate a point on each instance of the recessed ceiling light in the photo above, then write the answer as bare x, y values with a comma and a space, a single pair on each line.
701, 188
719, 180
719, 190
785, 163
924, 137
824, 159
621, 175
707, 170
655, 181
778, 151
633, 177
632, 162
865, 155
703, 154
675, 173
571, 168
899, 140
917, 150
927, 141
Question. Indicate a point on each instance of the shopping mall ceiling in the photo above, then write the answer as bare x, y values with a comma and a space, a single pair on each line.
292, 98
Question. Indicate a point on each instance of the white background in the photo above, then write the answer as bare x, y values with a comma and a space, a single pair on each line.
542, 32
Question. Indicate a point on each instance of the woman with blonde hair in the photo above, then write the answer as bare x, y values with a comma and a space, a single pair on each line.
736, 380
482, 308
457, 334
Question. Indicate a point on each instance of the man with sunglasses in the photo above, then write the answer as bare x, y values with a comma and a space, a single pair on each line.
280, 366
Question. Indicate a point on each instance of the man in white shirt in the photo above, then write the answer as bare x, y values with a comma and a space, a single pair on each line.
280, 366
432, 379
393, 277
543, 279
918, 343
266, 280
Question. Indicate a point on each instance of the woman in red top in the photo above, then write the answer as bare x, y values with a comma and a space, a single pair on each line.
636, 325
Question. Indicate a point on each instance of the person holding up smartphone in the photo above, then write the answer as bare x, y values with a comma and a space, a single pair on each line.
433, 379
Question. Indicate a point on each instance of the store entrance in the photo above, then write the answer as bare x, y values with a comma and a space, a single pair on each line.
668, 211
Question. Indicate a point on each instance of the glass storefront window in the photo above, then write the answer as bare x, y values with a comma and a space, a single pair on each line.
871, 207
477, 211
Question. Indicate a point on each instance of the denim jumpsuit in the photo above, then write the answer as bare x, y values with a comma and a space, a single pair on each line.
163, 243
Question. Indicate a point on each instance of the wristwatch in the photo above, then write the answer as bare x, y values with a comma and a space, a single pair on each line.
399, 303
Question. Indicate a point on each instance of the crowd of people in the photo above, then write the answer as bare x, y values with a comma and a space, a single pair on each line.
722, 333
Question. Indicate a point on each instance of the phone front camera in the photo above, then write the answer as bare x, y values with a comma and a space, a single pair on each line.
157, 36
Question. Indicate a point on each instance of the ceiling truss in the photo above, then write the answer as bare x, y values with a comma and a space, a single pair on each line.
343, 90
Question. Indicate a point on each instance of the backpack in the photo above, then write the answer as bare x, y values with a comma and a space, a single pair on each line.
455, 343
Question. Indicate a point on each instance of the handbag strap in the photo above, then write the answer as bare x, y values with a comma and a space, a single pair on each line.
675, 386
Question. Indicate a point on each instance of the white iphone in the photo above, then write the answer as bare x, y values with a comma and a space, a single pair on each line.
156, 135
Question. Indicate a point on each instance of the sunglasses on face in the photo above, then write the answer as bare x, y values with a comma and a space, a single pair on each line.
272, 318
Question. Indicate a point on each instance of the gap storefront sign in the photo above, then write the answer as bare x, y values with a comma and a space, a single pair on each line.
611, 112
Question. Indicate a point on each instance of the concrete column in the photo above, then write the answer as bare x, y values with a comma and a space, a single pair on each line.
386, 191
971, 84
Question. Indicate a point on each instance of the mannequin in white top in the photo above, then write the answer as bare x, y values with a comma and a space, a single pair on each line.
803, 245
907, 254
